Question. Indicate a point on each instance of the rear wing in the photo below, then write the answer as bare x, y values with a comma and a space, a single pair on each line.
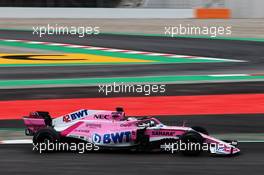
36, 120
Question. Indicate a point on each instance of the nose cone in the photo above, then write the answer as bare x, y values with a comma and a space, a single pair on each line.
236, 150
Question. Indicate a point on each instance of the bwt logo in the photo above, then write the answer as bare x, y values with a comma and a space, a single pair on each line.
101, 116
118, 137
74, 116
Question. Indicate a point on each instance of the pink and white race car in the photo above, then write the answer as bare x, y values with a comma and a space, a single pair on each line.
112, 129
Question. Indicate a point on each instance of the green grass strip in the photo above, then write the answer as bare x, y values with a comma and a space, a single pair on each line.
96, 81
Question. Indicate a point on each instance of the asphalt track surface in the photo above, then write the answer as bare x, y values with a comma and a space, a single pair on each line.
171, 90
19, 159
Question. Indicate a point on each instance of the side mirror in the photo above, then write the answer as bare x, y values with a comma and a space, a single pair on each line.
151, 124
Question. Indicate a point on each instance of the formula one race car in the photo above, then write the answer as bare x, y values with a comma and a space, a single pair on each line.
112, 129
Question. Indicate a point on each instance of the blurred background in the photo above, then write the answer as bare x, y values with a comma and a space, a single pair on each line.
217, 83
239, 8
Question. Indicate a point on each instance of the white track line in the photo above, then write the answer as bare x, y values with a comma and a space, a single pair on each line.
219, 59
20, 141
229, 75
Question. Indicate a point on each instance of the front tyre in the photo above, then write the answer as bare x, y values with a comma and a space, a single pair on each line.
193, 143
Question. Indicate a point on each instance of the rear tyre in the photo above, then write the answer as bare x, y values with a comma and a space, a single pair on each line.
193, 142
46, 135
200, 129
